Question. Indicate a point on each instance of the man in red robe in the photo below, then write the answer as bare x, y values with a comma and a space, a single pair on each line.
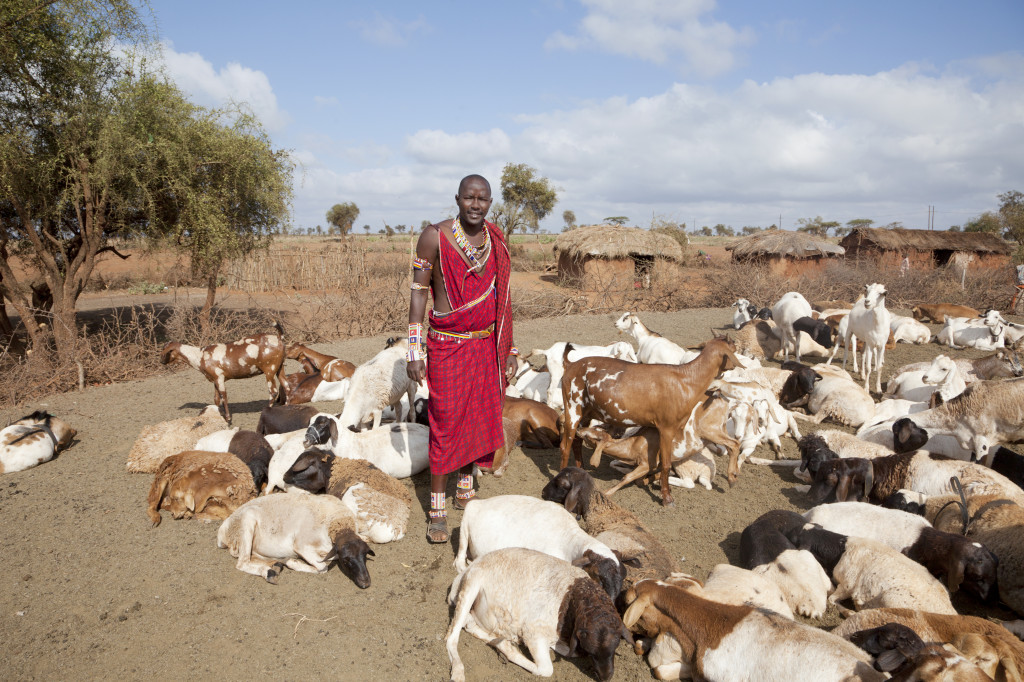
465, 263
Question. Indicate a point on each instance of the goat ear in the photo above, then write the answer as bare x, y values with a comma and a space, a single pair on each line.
889, 660
869, 482
333, 427
636, 610
955, 576
843, 489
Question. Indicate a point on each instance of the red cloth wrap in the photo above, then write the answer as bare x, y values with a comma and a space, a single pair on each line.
466, 378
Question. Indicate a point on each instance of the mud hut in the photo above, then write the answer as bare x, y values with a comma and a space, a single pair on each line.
616, 257
785, 253
926, 249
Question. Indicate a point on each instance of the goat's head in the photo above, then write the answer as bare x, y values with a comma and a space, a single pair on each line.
973, 567
1012, 360
295, 351
874, 295
351, 551
322, 430
764, 314
887, 638
170, 353
311, 471
813, 451
571, 488
622, 351
624, 323
940, 368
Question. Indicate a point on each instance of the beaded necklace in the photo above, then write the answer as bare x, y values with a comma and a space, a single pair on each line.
477, 255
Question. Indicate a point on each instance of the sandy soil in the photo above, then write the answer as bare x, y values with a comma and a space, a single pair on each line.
89, 590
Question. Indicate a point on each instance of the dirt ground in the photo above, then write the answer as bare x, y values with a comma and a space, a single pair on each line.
90, 590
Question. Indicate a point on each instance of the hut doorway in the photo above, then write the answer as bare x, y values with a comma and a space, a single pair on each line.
642, 267
942, 256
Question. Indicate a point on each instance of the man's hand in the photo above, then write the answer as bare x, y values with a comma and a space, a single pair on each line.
417, 371
511, 365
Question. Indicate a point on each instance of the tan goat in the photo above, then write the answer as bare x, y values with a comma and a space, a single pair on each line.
629, 394
330, 367
934, 312
201, 485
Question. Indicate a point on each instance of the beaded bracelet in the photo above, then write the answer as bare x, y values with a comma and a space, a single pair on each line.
422, 264
415, 340
416, 286
513, 351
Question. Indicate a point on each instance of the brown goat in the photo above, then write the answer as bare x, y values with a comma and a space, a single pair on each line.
625, 394
538, 423
934, 312
262, 354
330, 367
201, 485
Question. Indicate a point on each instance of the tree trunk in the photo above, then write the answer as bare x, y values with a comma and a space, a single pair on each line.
211, 295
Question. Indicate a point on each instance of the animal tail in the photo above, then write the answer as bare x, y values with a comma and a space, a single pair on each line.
156, 494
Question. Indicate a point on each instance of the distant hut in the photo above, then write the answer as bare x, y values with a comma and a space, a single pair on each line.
785, 253
616, 257
926, 249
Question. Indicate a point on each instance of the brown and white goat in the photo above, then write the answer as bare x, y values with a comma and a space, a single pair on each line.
629, 394
703, 639
934, 312
330, 367
32, 440
261, 354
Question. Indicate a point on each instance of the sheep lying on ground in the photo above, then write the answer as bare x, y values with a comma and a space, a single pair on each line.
159, 441
699, 638
766, 551
517, 596
284, 418
641, 552
380, 503
400, 450
899, 651
32, 440
201, 485
935, 627
522, 521
872, 574
301, 531
248, 446
757, 339
962, 562
996, 523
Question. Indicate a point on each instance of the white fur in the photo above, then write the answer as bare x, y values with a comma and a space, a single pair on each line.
790, 308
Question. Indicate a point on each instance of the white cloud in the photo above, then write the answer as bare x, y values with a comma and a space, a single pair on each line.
660, 31
390, 33
882, 146
233, 82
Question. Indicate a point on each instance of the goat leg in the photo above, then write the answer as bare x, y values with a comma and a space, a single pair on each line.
639, 472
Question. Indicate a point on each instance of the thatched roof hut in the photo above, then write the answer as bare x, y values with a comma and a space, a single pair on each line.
927, 248
787, 253
613, 256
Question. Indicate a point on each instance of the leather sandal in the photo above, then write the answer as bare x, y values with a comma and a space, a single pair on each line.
437, 531
460, 502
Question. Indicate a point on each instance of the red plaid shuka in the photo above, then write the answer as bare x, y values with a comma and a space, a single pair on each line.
466, 378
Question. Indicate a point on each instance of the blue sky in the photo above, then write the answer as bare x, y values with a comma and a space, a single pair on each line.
688, 110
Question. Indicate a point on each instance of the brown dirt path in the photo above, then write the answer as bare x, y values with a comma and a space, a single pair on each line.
89, 590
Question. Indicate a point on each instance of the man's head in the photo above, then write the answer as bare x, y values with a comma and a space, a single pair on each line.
473, 200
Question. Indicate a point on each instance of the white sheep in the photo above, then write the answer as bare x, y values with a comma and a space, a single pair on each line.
517, 596
159, 441
376, 384
301, 531
909, 330
523, 521
790, 308
841, 400
728, 584
32, 440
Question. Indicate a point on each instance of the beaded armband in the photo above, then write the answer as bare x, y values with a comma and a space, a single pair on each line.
415, 342
421, 264
416, 286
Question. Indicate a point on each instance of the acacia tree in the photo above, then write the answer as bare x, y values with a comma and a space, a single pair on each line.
1011, 214
569, 218
93, 147
526, 199
343, 216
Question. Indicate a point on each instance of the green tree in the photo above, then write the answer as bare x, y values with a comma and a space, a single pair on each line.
526, 199
95, 147
366, 229
816, 226
569, 218
750, 229
954, 228
986, 222
724, 230
859, 222
616, 220
706, 231
342, 216
1011, 213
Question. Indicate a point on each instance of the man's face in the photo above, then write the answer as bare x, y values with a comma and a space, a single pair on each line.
474, 200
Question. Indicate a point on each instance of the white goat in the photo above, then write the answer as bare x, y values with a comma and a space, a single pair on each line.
741, 313
909, 330
790, 308
985, 333
942, 376
653, 348
376, 384
529, 383
869, 321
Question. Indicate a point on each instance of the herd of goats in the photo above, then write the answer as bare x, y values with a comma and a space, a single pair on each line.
920, 502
